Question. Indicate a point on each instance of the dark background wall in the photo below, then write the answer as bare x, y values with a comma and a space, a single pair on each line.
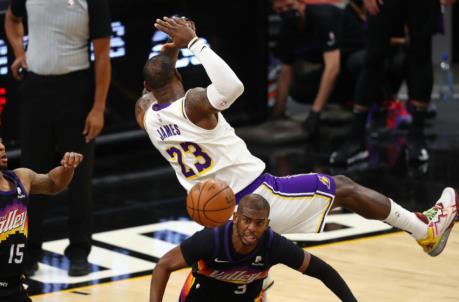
236, 30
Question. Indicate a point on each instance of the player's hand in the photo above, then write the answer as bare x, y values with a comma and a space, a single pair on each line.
192, 25
19, 62
71, 160
93, 124
171, 46
180, 30
373, 6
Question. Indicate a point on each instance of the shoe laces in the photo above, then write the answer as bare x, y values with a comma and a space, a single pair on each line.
430, 213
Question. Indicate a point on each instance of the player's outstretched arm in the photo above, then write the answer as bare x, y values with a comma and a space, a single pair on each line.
170, 262
317, 268
226, 86
55, 181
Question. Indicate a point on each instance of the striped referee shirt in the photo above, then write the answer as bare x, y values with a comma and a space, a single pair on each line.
59, 32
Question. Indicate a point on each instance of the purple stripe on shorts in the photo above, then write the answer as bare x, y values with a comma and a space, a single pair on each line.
326, 184
251, 187
293, 186
300, 185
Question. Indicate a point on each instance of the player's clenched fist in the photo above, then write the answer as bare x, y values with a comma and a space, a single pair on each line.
71, 160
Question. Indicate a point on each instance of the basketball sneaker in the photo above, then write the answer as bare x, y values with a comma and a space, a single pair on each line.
416, 151
311, 125
440, 221
349, 153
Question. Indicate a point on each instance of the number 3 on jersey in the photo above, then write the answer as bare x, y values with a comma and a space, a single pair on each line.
241, 289
202, 162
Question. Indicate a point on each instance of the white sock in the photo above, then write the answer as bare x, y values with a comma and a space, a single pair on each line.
406, 221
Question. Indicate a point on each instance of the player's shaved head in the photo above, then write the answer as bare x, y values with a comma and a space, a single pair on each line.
158, 71
253, 202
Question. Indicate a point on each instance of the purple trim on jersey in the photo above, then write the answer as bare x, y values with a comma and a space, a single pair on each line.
15, 179
14, 191
18, 182
251, 187
160, 106
271, 236
216, 242
227, 240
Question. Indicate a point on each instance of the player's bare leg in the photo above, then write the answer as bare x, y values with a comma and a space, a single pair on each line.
430, 228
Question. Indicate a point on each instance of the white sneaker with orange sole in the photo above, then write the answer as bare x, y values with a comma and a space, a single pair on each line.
440, 220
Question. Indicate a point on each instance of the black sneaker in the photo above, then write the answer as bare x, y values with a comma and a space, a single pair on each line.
79, 267
311, 125
349, 153
432, 110
416, 151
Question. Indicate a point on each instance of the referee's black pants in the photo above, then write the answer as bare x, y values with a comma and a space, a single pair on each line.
53, 114
420, 16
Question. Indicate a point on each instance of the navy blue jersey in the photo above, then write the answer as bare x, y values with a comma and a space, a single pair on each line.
13, 227
13, 238
219, 273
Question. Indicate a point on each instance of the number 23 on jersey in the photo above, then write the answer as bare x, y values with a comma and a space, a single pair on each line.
202, 162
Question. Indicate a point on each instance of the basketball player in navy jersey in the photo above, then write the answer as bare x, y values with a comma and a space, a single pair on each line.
230, 262
15, 187
190, 132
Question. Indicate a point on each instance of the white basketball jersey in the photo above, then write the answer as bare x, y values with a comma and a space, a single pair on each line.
196, 153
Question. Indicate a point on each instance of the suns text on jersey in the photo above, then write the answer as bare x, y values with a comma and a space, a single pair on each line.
13, 220
166, 131
236, 276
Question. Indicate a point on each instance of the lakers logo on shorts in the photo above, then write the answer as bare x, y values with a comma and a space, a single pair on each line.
324, 179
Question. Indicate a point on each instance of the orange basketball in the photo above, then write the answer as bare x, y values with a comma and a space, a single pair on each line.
210, 202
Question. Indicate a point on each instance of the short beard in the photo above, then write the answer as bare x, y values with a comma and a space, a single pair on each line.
241, 236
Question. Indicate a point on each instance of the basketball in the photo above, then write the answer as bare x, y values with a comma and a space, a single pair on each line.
210, 203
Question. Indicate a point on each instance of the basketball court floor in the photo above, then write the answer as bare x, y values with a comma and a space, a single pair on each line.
139, 214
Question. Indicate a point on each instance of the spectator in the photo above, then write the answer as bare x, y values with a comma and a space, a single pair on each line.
321, 34
394, 65
420, 18
387, 110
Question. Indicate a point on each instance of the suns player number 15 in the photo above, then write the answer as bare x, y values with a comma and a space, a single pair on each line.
16, 253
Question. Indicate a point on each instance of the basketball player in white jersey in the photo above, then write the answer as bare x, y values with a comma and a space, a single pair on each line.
191, 133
